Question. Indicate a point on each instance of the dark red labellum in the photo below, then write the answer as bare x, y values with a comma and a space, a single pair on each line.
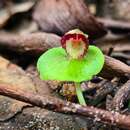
74, 36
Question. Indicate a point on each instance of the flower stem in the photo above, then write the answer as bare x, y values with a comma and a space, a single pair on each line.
80, 94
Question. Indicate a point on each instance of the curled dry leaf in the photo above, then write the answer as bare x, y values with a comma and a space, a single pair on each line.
12, 9
60, 16
12, 75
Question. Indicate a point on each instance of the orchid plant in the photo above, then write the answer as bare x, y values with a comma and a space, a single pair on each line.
75, 61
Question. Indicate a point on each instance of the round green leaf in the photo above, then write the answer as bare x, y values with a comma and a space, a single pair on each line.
55, 65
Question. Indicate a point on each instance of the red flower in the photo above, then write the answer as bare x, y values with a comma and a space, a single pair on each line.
75, 43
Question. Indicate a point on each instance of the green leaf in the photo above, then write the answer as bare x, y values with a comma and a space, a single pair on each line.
55, 65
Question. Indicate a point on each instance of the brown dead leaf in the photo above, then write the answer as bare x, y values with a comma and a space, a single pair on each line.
42, 87
12, 75
60, 16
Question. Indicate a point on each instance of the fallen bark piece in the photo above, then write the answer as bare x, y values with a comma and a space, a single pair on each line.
58, 105
13, 75
34, 43
121, 96
61, 16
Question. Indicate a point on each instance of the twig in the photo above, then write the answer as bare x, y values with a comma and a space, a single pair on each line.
37, 43
114, 68
34, 43
58, 105
103, 91
119, 43
114, 24
121, 96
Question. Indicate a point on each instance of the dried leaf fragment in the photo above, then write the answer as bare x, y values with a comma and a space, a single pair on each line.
60, 16
12, 75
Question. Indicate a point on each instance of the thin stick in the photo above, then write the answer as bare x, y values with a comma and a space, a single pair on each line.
58, 105
114, 68
37, 43
34, 43
115, 24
